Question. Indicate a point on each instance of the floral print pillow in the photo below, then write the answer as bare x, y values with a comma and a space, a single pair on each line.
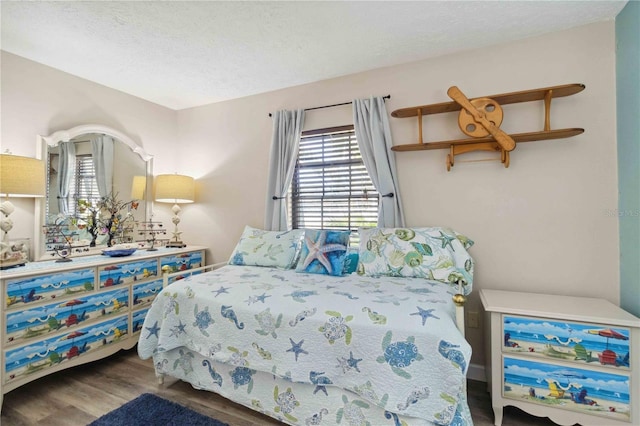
276, 249
433, 253
323, 252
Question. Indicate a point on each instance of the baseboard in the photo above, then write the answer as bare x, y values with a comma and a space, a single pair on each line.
476, 372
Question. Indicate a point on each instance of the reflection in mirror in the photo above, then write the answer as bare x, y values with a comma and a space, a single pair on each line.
96, 191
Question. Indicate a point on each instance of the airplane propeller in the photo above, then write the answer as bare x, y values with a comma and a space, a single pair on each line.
504, 140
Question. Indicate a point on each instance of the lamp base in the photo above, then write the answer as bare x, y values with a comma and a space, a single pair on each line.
176, 244
6, 264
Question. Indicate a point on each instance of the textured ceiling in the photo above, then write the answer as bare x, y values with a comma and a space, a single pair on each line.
182, 54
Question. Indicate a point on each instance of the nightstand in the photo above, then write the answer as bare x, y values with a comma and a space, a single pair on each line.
572, 359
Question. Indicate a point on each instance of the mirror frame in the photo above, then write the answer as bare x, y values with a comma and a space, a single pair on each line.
42, 145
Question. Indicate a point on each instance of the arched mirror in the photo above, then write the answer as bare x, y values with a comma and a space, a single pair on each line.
98, 182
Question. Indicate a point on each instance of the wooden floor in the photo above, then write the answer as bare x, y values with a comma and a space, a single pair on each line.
77, 396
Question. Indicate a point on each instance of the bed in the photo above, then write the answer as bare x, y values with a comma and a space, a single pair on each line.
302, 329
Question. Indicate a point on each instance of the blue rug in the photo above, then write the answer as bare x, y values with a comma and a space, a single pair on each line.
151, 410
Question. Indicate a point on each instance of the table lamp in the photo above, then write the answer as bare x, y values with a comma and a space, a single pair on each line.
175, 189
19, 177
138, 187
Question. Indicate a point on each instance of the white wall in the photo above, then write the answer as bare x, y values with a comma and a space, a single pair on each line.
540, 225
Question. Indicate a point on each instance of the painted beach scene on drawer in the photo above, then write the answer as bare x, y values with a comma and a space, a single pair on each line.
181, 262
592, 392
28, 359
23, 291
124, 273
63, 315
580, 343
137, 319
143, 294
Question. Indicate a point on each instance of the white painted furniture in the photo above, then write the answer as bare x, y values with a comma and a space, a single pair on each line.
58, 315
572, 359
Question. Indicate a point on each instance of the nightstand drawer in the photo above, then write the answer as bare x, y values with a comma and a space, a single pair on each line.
580, 343
594, 392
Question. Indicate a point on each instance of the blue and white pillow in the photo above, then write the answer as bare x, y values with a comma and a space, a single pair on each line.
276, 249
323, 252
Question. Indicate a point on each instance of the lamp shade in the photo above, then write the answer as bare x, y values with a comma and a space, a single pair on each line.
175, 189
138, 187
21, 176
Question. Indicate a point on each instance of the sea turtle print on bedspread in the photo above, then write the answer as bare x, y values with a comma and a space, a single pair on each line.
390, 342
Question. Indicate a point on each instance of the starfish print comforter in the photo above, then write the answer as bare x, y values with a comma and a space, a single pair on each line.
398, 335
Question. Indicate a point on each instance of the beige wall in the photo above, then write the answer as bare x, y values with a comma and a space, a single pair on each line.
39, 100
540, 226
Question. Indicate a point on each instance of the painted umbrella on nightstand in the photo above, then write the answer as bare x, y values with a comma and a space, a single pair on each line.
608, 333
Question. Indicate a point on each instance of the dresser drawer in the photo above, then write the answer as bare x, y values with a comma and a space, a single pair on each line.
26, 360
579, 343
23, 291
126, 273
602, 393
144, 293
137, 319
182, 262
39, 321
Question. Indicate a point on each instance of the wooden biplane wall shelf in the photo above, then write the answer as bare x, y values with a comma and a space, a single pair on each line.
480, 118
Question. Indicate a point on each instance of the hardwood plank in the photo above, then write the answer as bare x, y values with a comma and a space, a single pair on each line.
72, 398
69, 415
39, 401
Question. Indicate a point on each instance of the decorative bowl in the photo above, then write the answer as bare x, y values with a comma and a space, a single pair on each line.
118, 252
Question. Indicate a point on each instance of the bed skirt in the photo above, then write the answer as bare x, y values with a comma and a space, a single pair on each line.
290, 402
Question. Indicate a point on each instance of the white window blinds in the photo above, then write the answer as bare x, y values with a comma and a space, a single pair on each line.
331, 188
86, 186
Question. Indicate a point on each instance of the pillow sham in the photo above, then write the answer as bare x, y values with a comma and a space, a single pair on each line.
257, 247
323, 252
433, 253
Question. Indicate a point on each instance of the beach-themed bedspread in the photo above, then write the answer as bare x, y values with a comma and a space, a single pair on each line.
397, 334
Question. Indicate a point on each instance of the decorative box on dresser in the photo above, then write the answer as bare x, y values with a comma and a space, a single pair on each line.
59, 315
572, 359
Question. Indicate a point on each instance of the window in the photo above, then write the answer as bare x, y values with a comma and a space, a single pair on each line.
85, 185
331, 188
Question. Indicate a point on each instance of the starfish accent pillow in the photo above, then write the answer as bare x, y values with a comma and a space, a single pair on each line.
323, 252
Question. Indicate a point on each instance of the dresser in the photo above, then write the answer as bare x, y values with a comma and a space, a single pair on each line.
572, 359
59, 315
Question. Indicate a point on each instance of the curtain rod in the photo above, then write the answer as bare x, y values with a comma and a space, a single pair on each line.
335, 105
